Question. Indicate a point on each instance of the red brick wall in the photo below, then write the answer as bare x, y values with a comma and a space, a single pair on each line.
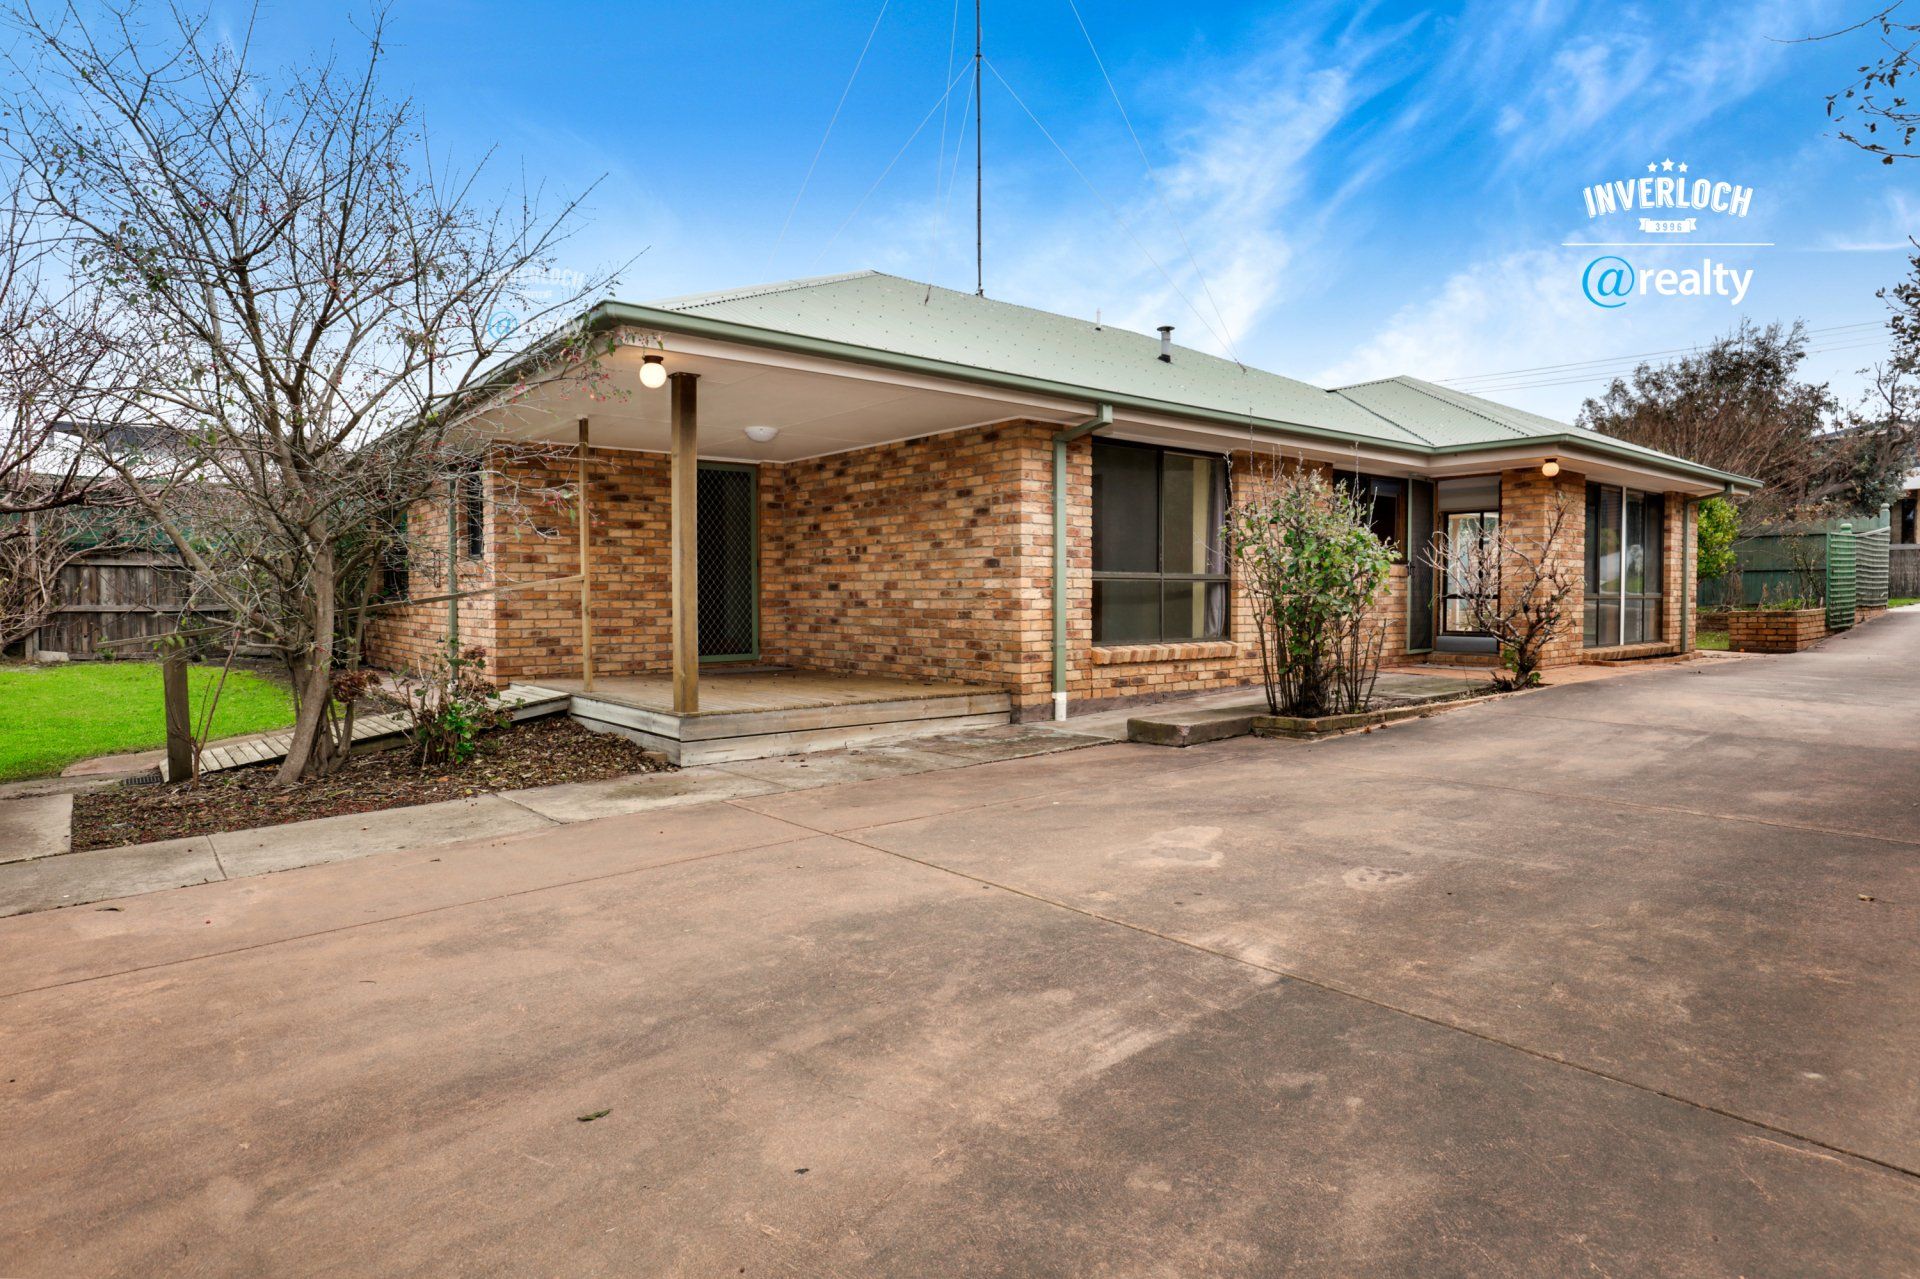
1775, 630
532, 535
1527, 501
1678, 552
925, 559
930, 558
538, 630
1098, 676
408, 636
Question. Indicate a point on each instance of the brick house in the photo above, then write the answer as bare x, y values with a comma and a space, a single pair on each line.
958, 503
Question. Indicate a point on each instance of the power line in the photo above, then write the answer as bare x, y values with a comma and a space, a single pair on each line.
1617, 359
1117, 216
861, 203
834, 119
1154, 179
953, 42
1608, 375
953, 173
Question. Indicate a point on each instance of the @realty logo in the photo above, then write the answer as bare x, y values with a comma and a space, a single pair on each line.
1668, 204
1610, 281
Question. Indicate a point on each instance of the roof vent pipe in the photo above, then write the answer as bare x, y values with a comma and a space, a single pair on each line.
1166, 344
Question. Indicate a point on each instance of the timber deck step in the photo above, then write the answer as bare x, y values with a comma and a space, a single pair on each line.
521, 701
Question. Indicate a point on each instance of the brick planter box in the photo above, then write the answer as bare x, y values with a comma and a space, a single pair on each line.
1775, 630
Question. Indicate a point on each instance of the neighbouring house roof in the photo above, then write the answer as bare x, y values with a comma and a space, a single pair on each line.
884, 319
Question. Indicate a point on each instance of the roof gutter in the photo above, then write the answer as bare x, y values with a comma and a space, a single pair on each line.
616, 314
1060, 441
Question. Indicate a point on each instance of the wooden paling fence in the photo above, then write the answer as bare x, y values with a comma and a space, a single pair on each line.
1903, 572
114, 600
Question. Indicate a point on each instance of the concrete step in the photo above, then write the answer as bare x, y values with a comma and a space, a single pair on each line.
1175, 726
1619, 653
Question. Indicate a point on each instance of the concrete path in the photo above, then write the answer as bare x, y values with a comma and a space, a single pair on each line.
36, 828
1617, 978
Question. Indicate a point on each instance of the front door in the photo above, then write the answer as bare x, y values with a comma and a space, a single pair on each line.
728, 537
1470, 537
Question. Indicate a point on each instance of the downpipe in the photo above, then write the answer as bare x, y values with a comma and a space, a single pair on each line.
1060, 442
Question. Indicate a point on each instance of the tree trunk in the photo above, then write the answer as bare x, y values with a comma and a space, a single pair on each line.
313, 680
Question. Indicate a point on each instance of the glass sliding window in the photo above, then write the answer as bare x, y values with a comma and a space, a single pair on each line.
1159, 564
1625, 565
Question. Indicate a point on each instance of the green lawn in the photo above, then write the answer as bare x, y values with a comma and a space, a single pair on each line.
1902, 603
51, 716
1715, 640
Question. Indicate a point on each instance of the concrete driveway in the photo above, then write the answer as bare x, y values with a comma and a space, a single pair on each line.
1575, 983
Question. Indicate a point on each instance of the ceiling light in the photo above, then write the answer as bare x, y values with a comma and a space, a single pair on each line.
1550, 467
762, 434
653, 372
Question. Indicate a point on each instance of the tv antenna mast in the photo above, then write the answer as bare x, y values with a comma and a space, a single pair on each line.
979, 156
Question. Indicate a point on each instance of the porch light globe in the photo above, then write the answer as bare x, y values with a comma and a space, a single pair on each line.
653, 373
1550, 468
762, 434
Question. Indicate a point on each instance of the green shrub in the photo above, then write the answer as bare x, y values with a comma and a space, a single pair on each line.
1312, 567
1717, 527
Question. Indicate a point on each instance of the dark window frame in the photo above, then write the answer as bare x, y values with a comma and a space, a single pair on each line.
472, 494
1368, 487
396, 566
1224, 578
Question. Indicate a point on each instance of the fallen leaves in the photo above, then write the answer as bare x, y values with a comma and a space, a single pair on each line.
538, 753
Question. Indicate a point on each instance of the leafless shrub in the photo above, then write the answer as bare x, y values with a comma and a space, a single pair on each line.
1519, 587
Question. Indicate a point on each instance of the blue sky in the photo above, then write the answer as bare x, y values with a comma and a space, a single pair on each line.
1365, 190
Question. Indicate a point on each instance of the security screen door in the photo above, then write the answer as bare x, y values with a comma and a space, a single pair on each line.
727, 535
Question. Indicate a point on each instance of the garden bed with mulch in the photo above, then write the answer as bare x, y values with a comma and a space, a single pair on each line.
540, 752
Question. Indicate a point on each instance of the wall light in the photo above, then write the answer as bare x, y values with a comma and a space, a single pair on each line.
653, 372
1550, 467
762, 434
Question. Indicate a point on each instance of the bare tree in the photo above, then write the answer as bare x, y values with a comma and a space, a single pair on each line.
1517, 586
1874, 112
53, 346
315, 301
53, 343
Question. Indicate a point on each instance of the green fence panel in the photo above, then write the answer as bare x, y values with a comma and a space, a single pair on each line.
1840, 579
1772, 567
1870, 555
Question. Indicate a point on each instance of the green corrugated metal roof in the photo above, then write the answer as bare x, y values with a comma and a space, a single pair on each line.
888, 313
1442, 417
1450, 417
884, 319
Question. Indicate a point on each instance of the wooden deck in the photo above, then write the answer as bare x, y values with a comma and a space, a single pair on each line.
752, 714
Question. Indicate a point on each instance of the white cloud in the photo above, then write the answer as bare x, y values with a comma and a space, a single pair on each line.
1521, 310
1586, 82
1884, 230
